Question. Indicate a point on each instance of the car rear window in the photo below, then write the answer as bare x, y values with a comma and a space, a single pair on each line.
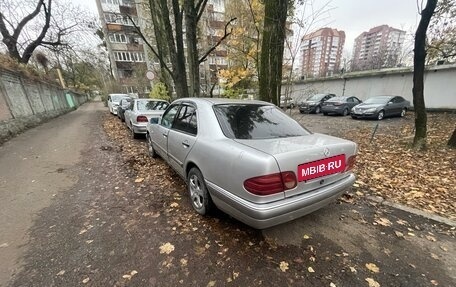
256, 121
152, 105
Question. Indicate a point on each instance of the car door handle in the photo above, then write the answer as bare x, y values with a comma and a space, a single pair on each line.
165, 135
185, 144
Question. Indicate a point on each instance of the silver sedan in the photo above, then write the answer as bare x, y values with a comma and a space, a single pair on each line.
250, 159
139, 112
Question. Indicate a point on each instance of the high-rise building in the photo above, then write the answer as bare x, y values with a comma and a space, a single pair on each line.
380, 47
125, 47
322, 52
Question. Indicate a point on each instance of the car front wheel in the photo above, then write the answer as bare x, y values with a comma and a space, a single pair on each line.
133, 134
199, 196
345, 112
381, 115
317, 110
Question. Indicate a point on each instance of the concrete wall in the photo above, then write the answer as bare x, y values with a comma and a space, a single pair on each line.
439, 85
25, 103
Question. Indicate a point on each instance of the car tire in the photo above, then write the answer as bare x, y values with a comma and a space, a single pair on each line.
353, 117
317, 110
301, 112
150, 148
292, 106
380, 115
325, 114
345, 112
199, 196
403, 112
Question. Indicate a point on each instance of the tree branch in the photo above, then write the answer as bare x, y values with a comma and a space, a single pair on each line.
29, 17
204, 57
200, 6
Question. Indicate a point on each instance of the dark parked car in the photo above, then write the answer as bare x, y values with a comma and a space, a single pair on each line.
379, 107
123, 105
313, 103
339, 105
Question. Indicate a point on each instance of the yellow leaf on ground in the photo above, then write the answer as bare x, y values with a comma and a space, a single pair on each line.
372, 282
306, 236
283, 266
311, 270
166, 248
372, 267
211, 284
383, 221
139, 180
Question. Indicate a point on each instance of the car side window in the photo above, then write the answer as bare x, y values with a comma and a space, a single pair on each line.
356, 100
397, 100
186, 120
350, 100
168, 116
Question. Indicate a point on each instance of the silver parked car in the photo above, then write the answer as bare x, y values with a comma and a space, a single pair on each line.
138, 114
380, 107
251, 160
113, 102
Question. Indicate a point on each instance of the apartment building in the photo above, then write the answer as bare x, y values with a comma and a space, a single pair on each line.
322, 52
125, 47
380, 47
212, 26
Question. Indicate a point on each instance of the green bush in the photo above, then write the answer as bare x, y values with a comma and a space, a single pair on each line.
159, 91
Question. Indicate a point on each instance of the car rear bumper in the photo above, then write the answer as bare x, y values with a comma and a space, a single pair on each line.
333, 109
261, 216
140, 128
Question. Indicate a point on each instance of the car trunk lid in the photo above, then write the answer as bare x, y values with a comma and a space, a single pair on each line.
316, 159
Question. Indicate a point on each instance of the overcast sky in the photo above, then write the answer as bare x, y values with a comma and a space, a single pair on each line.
351, 16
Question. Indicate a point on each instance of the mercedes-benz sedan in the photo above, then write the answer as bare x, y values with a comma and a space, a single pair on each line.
250, 159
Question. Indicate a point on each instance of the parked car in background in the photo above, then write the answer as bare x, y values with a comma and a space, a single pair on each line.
339, 105
138, 114
113, 102
250, 159
313, 104
379, 107
123, 105
286, 102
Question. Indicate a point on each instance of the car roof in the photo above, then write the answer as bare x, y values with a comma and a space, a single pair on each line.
149, 99
221, 101
384, 96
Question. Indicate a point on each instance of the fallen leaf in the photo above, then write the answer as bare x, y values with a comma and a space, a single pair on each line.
283, 266
383, 221
399, 234
82, 231
444, 248
372, 267
306, 236
431, 238
129, 276
211, 284
61, 272
310, 269
435, 256
183, 262
86, 280
166, 248
353, 270
174, 204
89, 241
332, 285
434, 282
139, 179
372, 282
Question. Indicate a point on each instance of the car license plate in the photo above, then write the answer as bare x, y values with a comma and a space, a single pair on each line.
322, 167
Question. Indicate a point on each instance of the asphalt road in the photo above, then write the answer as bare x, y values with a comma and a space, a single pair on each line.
75, 213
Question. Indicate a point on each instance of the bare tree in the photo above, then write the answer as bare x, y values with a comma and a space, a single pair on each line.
24, 28
419, 60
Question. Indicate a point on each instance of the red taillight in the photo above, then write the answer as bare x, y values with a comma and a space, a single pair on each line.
271, 183
141, 119
350, 163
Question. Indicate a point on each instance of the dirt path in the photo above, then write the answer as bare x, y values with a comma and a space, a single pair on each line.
34, 167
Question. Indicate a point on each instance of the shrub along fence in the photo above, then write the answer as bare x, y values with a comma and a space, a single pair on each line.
26, 102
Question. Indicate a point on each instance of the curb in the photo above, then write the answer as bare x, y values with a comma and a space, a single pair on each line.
412, 210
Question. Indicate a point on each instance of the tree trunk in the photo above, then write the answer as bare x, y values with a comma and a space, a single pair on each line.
419, 59
452, 141
192, 51
270, 77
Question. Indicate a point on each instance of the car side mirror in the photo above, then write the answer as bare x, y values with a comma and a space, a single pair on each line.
154, 120
389, 103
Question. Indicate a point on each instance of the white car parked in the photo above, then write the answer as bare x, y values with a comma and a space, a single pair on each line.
113, 102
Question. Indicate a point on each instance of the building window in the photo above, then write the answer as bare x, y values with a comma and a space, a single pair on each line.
117, 38
129, 56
